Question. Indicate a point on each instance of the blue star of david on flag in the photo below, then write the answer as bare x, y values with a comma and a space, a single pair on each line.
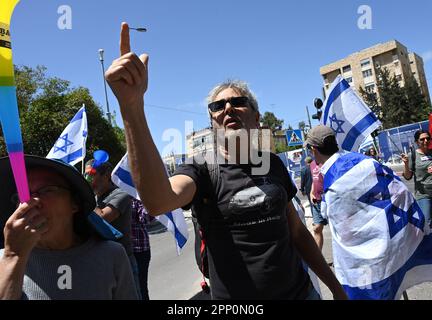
347, 114
65, 145
70, 146
338, 123
379, 196
381, 244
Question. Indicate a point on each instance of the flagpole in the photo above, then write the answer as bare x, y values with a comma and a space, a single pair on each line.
84, 149
400, 140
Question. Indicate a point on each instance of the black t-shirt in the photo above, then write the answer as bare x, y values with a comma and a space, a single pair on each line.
251, 253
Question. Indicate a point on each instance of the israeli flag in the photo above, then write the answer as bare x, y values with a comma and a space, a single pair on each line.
367, 144
347, 114
70, 147
381, 243
174, 221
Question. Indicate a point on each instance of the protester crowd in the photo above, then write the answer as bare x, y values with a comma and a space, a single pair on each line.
252, 240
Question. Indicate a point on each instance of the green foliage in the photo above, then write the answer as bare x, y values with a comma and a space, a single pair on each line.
46, 107
281, 147
418, 106
397, 106
269, 120
302, 125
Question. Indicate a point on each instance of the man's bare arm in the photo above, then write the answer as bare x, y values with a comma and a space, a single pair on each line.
128, 79
310, 253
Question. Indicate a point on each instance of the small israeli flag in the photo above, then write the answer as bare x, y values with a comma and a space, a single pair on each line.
347, 114
174, 221
70, 147
381, 243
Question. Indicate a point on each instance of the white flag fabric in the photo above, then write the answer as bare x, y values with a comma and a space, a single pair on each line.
174, 221
347, 114
381, 243
367, 144
70, 147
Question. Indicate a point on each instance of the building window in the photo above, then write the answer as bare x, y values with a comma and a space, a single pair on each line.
364, 63
411, 62
370, 88
346, 68
395, 57
349, 79
367, 73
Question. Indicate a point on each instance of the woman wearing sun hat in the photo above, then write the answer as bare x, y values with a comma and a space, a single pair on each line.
54, 245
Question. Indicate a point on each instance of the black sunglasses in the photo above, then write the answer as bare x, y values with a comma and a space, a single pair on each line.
235, 102
426, 138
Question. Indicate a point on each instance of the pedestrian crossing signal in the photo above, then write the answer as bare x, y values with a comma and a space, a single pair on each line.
294, 137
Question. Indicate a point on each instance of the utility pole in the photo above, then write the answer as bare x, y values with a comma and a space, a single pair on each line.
310, 123
101, 59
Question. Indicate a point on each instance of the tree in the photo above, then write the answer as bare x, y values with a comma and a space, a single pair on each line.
302, 125
396, 105
269, 120
47, 104
418, 107
281, 147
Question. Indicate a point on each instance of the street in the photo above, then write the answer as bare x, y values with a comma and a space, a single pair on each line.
173, 277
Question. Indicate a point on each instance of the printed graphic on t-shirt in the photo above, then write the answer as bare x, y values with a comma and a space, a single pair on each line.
262, 198
260, 203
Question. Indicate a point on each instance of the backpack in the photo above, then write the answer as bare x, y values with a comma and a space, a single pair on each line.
201, 254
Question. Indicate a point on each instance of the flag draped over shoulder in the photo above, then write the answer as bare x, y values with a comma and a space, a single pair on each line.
70, 146
347, 114
381, 244
174, 221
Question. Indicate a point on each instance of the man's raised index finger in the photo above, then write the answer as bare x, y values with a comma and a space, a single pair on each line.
124, 39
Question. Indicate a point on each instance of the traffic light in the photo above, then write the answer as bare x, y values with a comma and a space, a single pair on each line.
318, 104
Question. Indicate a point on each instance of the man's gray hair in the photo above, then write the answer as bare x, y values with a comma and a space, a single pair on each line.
239, 87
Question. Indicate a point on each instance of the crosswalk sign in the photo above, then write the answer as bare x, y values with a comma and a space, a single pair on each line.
294, 137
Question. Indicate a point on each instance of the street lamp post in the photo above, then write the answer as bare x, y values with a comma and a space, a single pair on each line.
101, 58
138, 29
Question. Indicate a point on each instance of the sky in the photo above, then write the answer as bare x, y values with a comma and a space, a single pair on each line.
277, 46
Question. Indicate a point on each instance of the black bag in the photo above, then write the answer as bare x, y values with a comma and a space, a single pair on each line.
201, 254
200, 248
